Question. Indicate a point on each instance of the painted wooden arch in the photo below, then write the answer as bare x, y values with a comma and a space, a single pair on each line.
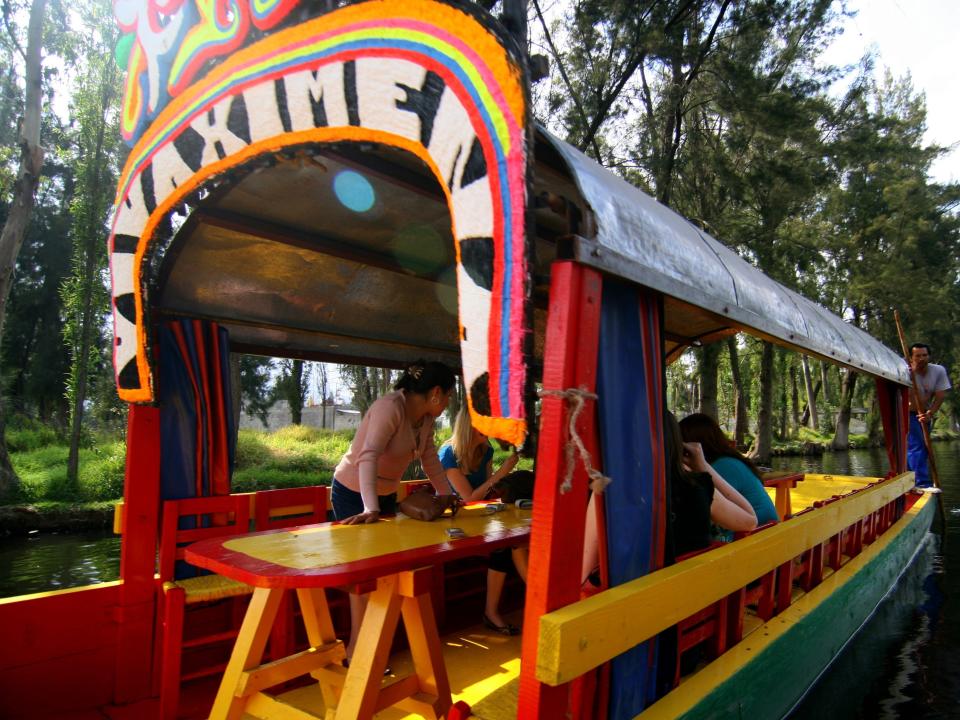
420, 75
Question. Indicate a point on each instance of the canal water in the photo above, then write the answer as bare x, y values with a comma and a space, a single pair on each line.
54, 561
901, 665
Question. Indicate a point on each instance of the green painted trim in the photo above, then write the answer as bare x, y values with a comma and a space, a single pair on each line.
793, 648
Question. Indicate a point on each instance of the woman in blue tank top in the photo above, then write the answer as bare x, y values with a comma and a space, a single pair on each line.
468, 461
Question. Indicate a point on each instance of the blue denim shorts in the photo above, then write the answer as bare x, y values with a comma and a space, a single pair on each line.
347, 503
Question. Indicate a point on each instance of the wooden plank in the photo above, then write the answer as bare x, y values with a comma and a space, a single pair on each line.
33, 627
426, 651
269, 708
423, 705
579, 637
360, 691
570, 358
247, 652
141, 514
319, 626
397, 691
292, 666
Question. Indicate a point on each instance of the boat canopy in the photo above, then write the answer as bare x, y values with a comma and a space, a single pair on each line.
712, 291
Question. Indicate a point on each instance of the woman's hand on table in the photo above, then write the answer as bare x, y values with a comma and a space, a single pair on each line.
371, 516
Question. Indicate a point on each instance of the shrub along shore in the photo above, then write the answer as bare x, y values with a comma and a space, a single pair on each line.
291, 457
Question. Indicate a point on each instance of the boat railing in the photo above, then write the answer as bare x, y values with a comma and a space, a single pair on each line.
579, 637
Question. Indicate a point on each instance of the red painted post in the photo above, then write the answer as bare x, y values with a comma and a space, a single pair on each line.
138, 554
556, 541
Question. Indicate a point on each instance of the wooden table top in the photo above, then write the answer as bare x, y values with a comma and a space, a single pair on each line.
329, 554
775, 476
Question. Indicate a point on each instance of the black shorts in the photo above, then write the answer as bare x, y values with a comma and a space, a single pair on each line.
347, 503
500, 560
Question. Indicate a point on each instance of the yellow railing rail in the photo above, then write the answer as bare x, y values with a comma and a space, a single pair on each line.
581, 636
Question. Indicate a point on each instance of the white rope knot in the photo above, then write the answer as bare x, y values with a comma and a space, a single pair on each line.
576, 397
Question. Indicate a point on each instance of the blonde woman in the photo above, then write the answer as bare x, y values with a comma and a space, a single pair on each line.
468, 461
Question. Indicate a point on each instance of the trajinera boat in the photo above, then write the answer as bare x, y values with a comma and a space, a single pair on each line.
363, 183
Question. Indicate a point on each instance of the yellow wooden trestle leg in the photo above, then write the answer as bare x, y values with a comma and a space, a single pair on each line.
427, 691
247, 652
319, 626
245, 678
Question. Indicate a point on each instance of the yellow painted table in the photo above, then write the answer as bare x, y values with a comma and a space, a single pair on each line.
397, 553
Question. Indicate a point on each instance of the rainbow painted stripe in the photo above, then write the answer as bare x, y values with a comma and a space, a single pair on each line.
473, 64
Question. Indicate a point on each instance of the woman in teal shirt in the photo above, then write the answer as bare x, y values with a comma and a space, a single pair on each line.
733, 466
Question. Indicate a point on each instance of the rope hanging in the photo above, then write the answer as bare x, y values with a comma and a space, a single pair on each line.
577, 397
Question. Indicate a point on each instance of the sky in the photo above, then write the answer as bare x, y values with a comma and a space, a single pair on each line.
919, 37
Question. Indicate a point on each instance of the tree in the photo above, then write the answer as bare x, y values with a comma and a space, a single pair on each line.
33, 357
85, 295
321, 378
811, 409
895, 235
28, 176
292, 386
739, 393
256, 393
841, 438
709, 360
366, 384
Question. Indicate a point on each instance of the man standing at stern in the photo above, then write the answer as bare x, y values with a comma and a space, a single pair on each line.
932, 383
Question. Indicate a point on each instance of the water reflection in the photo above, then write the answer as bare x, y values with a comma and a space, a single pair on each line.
51, 561
902, 664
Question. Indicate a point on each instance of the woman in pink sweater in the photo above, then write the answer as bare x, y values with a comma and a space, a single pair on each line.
396, 430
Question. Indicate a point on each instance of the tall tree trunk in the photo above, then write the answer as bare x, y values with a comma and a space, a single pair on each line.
874, 421
323, 388
21, 207
794, 399
709, 362
295, 397
813, 418
826, 417
841, 438
456, 401
805, 414
764, 441
235, 391
92, 241
740, 399
782, 377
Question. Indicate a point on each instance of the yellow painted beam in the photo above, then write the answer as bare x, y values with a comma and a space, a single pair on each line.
278, 671
581, 636
698, 686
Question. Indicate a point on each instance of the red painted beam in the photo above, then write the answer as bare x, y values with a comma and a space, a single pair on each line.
556, 540
138, 555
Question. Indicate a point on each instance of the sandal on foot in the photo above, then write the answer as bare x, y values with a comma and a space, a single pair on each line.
507, 629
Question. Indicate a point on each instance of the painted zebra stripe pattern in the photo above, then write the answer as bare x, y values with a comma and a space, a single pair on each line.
419, 75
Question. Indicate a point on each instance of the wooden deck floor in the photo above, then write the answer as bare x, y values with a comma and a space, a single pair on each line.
483, 667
